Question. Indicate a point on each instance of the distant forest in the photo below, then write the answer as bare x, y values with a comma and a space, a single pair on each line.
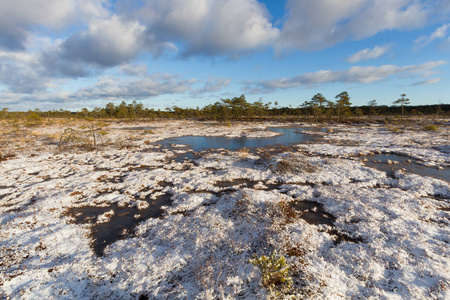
238, 108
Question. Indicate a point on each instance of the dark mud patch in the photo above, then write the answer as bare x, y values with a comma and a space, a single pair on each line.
313, 213
438, 197
142, 168
4, 196
4, 187
344, 237
236, 183
114, 179
390, 163
101, 169
164, 184
121, 223
6, 157
247, 183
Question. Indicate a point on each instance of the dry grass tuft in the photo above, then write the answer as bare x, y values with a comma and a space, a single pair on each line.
243, 152
294, 164
87, 140
289, 214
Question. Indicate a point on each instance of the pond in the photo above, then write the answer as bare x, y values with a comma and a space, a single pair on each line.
409, 165
290, 135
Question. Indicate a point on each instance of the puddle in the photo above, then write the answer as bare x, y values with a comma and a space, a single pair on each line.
186, 157
313, 213
247, 183
343, 237
289, 136
121, 225
408, 164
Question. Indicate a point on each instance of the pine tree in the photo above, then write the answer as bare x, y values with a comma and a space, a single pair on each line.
317, 103
402, 101
372, 107
343, 105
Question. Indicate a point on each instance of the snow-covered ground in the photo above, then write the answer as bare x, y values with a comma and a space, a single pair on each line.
388, 238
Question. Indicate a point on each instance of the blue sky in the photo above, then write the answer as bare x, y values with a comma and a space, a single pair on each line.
73, 54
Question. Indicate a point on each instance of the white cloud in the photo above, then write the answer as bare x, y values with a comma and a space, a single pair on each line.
439, 33
107, 42
428, 81
18, 19
213, 85
116, 88
22, 73
368, 53
133, 70
314, 25
24, 57
208, 27
355, 74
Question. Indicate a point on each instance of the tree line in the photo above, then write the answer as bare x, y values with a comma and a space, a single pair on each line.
238, 108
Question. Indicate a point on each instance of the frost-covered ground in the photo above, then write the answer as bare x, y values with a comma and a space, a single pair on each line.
386, 237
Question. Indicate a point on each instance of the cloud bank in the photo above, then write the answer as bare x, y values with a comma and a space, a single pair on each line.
315, 25
355, 74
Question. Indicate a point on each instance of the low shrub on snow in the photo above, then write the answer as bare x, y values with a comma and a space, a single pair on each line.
275, 272
294, 164
431, 127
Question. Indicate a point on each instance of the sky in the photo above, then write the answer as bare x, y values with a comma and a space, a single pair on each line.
73, 54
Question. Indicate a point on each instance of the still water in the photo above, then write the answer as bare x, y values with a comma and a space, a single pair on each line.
406, 163
289, 136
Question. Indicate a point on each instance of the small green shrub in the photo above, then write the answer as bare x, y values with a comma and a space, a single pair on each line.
431, 127
147, 131
33, 119
396, 129
275, 272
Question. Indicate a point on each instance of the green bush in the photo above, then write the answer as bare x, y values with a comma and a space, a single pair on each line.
274, 271
33, 119
431, 127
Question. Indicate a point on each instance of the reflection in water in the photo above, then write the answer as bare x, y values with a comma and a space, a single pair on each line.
380, 162
289, 136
